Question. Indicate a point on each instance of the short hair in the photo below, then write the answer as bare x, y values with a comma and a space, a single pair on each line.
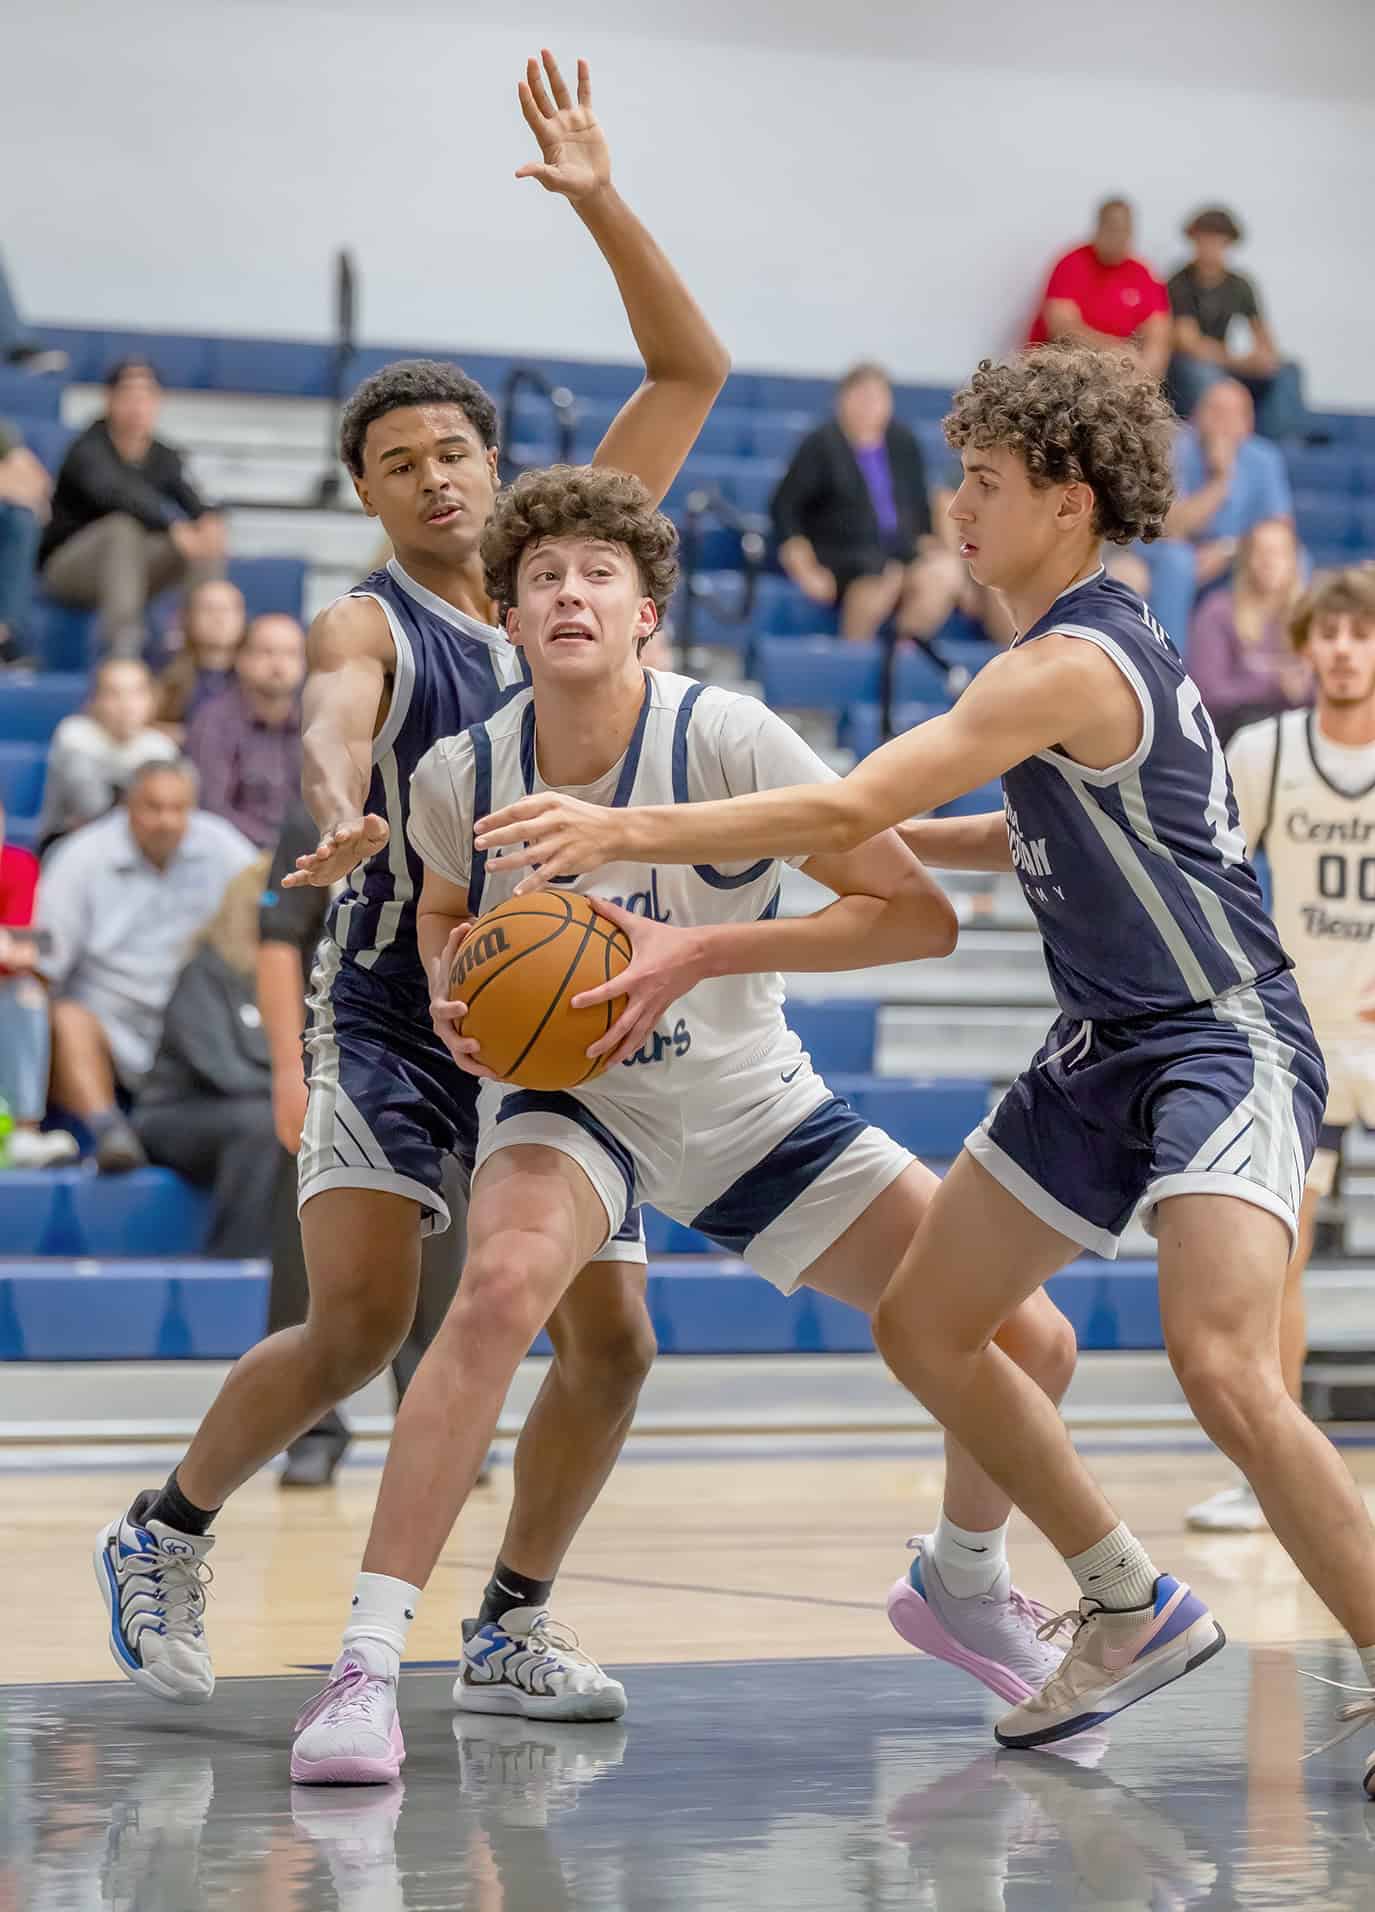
412, 382
126, 367
108, 664
1215, 219
161, 767
579, 501
861, 374
1113, 203
1346, 593
1074, 415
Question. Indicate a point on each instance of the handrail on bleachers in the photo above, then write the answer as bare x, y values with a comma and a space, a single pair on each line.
561, 403
707, 505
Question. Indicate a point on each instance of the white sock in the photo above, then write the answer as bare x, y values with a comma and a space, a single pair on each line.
1117, 1573
1367, 1658
968, 1562
381, 1615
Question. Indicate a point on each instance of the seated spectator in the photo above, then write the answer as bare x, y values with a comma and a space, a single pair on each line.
208, 635
853, 518
96, 751
205, 1106
18, 346
120, 902
246, 743
1207, 299
25, 490
1227, 481
24, 1019
126, 521
1239, 651
1100, 295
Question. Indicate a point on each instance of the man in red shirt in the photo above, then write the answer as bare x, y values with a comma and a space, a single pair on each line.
23, 1020
1100, 295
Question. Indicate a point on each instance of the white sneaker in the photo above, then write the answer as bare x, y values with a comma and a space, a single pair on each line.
349, 1734
527, 1663
39, 1148
153, 1580
1235, 1510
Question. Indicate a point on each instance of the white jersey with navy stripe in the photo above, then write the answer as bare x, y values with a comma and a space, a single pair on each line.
692, 743
1137, 874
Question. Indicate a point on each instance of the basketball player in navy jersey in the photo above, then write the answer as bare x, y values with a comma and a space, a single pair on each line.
410, 655
1183, 1077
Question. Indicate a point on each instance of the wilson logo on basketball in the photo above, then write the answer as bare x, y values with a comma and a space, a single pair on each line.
479, 948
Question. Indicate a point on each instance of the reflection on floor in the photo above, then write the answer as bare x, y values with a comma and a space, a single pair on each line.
780, 1785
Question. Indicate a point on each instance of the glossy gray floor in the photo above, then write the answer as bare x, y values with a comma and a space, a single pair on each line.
801, 1786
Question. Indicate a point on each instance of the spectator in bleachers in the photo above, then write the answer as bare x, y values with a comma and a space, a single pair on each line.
1207, 300
1227, 481
126, 520
120, 902
1100, 295
24, 1040
205, 1106
246, 743
208, 635
852, 517
1239, 651
25, 492
96, 751
18, 345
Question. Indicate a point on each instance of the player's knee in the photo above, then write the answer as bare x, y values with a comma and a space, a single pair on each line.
507, 1289
611, 1365
357, 1333
1043, 1344
911, 1345
1233, 1399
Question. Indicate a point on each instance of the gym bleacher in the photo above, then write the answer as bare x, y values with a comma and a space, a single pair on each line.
109, 1268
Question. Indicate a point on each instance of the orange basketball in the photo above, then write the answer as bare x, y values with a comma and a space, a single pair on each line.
519, 968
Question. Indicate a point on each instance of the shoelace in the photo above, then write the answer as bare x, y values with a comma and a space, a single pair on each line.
1356, 1714
1071, 1621
183, 1584
553, 1636
347, 1693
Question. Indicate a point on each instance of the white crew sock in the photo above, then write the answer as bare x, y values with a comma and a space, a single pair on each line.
968, 1562
381, 1615
1367, 1658
1117, 1573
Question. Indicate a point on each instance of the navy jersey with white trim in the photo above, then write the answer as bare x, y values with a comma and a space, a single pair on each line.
450, 672
1138, 874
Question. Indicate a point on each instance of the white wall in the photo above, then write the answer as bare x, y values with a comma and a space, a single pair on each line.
885, 177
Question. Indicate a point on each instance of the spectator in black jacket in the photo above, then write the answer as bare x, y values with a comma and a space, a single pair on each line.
126, 521
852, 518
205, 1106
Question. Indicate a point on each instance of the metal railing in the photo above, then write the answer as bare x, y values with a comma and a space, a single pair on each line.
703, 507
563, 409
330, 487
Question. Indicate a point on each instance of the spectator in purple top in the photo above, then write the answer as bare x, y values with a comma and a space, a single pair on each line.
246, 743
1239, 651
852, 517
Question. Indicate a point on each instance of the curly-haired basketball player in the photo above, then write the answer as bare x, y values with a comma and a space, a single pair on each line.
1183, 1075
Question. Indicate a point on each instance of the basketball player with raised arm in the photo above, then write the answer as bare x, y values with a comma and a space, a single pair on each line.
719, 1118
1183, 1077
1305, 790
410, 655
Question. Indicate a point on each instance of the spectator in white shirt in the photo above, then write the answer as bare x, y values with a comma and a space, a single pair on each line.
121, 901
96, 751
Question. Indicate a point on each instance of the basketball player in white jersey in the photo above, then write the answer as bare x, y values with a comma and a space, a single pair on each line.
1305, 790
717, 1117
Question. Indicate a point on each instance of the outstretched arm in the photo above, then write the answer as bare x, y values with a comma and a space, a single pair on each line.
1057, 691
888, 910
960, 843
685, 363
350, 652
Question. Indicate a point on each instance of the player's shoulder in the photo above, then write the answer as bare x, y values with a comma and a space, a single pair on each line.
1253, 742
447, 760
349, 624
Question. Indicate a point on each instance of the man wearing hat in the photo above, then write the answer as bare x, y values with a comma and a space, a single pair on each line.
1206, 300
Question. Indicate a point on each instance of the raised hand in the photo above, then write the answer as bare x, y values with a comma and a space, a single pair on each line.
339, 851
575, 159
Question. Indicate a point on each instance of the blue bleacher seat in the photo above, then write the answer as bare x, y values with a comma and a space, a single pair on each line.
860, 726
1321, 468
26, 396
1328, 519
23, 767
778, 434
32, 708
786, 612
76, 1212
965, 653
816, 673
664, 1236
840, 1036
918, 679
63, 638
931, 1116
288, 368
47, 439
975, 803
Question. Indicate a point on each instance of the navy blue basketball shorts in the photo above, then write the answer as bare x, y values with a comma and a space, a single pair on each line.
1224, 1098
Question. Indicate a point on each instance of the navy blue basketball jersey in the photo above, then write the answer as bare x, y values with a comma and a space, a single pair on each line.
450, 672
1138, 874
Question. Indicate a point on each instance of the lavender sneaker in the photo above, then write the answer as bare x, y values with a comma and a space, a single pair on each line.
349, 1734
997, 1636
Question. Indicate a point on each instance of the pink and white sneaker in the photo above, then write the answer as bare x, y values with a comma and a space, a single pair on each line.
349, 1734
1000, 1636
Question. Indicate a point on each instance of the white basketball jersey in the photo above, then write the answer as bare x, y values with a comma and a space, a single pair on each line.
692, 743
1319, 840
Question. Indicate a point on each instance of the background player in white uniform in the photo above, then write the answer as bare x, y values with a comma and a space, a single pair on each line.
717, 1117
1305, 791
1183, 1073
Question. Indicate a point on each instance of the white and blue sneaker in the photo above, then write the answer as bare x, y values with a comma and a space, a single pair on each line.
153, 1582
527, 1663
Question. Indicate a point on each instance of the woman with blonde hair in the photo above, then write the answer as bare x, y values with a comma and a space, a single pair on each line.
1239, 651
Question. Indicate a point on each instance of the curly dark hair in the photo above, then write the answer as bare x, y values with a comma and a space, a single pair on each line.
1077, 416
412, 382
579, 501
